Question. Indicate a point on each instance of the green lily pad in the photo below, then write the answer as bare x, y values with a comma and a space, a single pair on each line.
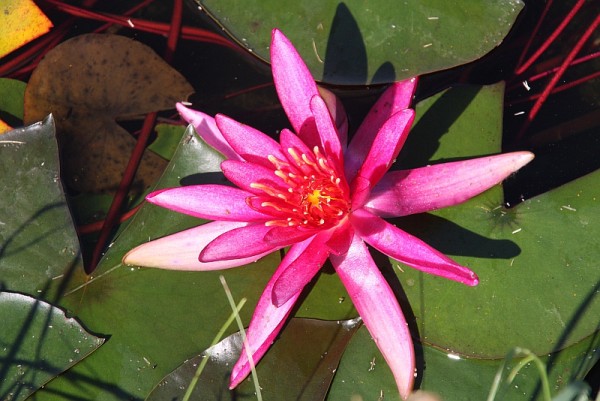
38, 253
363, 374
37, 342
167, 140
536, 261
11, 101
38, 243
301, 373
353, 43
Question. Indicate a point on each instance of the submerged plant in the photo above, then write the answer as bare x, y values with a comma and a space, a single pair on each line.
325, 200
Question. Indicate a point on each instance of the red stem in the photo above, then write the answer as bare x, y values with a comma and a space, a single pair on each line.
127, 13
160, 28
97, 225
559, 88
112, 216
115, 207
534, 33
247, 90
550, 38
544, 74
175, 30
559, 73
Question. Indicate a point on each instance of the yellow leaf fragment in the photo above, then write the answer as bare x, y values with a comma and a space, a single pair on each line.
4, 127
21, 21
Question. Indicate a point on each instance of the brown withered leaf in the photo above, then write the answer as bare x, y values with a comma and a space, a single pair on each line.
88, 83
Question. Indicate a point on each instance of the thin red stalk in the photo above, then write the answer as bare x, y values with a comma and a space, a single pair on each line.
115, 207
559, 88
97, 225
138, 151
247, 90
534, 33
544, 74
550, 38
575, 62
559, 73
127, 13
174, 31
160, 28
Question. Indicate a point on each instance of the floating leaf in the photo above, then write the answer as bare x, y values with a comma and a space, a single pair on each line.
38, 243
90, 81
21, 21
301, 372
37, 342
537, 261
379, 42
168, 137
11, 102
363, 372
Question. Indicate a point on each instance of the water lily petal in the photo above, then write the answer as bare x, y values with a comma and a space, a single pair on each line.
396, 98
246, 175
408, 249
251, 144
361, 191
377, 305
341, 239
330, 141
295, 87
400, 193
299, 272
243, 242
214, 202
207, 129
284, 236
289, 140
386, 146
338, 113
180, 251
267, 320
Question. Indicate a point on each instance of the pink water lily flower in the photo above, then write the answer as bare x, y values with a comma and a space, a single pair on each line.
325, 200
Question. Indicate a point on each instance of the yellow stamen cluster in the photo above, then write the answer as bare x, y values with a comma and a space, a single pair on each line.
312, 194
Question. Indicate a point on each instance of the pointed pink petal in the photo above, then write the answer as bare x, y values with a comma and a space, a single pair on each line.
400, 193
396, 98
213, 202
283, 236
267, 319
245, 174
330, 141
341, 239
361, 191
377, 305
180, 251
338, 113
289, 140
295, 87
238, 243
299, 272
251, 144
386, 146
408, 249
207, 129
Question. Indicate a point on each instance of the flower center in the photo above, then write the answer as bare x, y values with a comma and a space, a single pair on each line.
313, 194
